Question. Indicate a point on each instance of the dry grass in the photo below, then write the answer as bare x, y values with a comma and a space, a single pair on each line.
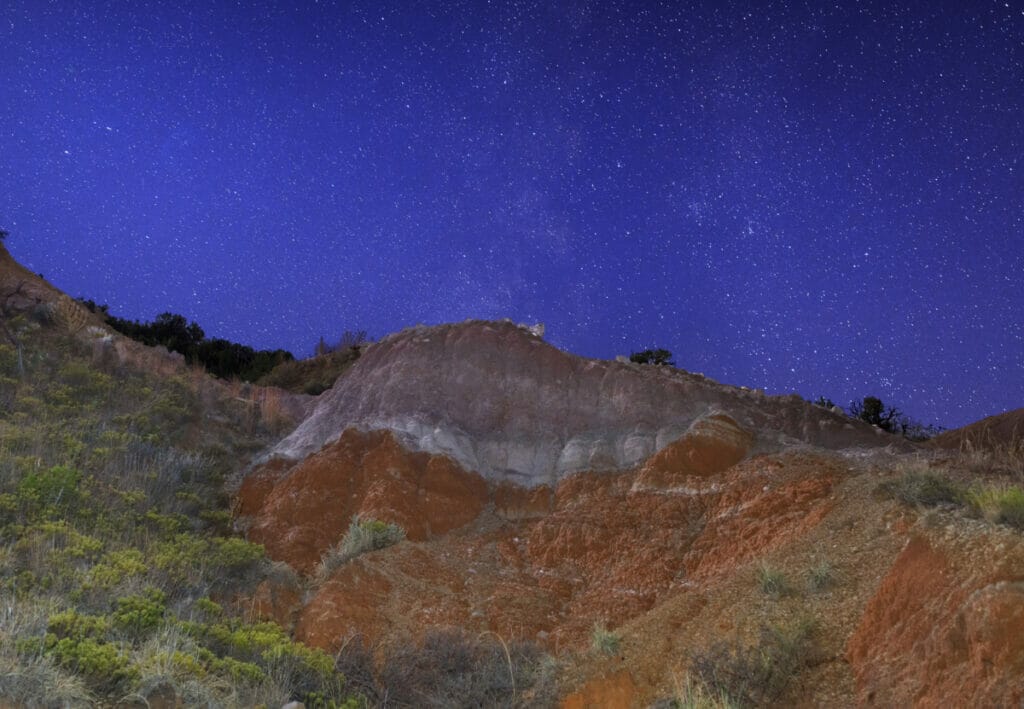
363, 535
759, 674
693, 694
985, 456
34, 680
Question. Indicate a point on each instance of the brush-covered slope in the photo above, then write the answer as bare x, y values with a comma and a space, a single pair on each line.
503, 403
119, 567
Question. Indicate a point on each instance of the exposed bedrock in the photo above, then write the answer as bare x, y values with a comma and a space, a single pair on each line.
502, 402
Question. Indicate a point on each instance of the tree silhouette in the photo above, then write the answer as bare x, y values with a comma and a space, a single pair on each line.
874, 412
659, 356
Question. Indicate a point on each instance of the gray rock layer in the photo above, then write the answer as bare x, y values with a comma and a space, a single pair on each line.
502, 402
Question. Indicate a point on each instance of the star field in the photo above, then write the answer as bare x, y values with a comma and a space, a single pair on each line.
801, 197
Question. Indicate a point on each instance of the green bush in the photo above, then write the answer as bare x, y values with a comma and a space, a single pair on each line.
234, 553
78, 626
103, 665
115, 567
54, 489
140, 614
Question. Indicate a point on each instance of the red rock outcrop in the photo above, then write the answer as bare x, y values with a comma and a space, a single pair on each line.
946, 626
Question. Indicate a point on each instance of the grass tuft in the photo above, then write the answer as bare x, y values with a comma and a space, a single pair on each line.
1002, 505
363, 535
821, 576
772, 581
604, 641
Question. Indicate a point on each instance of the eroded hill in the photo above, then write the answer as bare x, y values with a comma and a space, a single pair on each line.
552, 498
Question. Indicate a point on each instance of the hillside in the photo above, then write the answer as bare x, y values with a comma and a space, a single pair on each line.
472, 517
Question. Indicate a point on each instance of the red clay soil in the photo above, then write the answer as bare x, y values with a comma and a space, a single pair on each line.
946, 627
612, 692
545, 563
604, 554
300, 512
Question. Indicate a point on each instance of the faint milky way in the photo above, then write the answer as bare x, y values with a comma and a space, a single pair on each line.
822, 200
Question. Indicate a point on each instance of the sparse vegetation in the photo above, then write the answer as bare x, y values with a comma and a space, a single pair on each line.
997, 502
758, 674
694, 694
349, 341
604, 641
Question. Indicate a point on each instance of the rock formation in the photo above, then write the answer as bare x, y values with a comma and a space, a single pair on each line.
503, 403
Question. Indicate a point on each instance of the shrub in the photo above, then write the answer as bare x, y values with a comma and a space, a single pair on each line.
235, 554
311, 376
55, 489
604, 641
255, 653
115, 567
872, 411
757, 675
140, 614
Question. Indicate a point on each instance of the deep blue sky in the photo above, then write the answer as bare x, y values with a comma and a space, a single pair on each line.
826, 200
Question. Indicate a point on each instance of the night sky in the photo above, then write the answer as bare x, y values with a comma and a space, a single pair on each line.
811, 199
